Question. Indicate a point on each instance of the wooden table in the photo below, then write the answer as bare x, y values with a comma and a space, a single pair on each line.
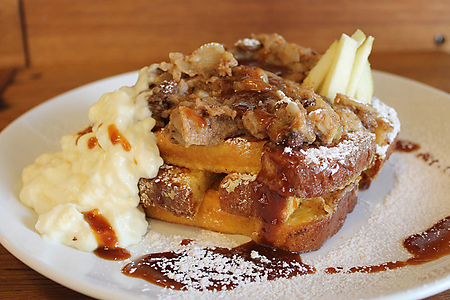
23, 89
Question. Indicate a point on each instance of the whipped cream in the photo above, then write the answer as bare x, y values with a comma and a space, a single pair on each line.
97, 168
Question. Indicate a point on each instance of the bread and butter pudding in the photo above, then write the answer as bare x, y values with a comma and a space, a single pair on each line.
257, 139
266, 139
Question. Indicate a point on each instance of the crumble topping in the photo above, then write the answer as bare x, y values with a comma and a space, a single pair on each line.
252, 89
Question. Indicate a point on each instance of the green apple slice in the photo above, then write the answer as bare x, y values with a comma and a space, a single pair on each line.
364, 93
317, 74
361, 60
359, 36
341, 68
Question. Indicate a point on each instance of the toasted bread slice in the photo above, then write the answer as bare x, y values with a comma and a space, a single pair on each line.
237, 195
315, 221
234, 155
176, 189
310, 172
290, 159
242, 195
317, 171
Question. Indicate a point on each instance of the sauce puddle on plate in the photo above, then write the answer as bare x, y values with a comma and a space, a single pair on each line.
227, 268
426, 246
217, 268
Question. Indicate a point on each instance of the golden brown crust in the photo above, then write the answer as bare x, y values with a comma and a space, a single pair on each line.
240, 155
236, 195
306, 230
209, 216
313, 172
310, 172
176, 189
298, 234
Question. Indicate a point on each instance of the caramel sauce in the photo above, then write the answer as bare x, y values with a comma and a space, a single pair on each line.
81, 133
92, 142
425, 156
278, 169
406, 146
105, 236
365, 182
426, 246
431, 244
279, 264
246, 87
117, 138
264, 118
428, 158
251, 79
269, 205
198, 121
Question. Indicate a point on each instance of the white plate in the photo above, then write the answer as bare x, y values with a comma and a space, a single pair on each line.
398, 204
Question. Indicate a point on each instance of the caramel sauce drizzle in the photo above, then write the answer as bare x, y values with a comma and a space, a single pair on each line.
426, 246
83, 132
116, 137
406, 146
105, 236
92, 142
428, 158
280, 264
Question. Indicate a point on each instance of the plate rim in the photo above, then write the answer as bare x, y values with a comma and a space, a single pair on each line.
78, 285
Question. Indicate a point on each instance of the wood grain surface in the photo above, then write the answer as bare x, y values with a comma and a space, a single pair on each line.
114, 31
71, 43
12, 47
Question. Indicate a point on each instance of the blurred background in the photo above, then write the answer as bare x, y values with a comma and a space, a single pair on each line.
64, 44
50, 46
109, 37
137, 32
126, 35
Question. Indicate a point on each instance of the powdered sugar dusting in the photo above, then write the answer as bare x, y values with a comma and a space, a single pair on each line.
390, 115
376, 239
239, 141
322, 158
197, 268
409, 196
283, 99
232, 181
